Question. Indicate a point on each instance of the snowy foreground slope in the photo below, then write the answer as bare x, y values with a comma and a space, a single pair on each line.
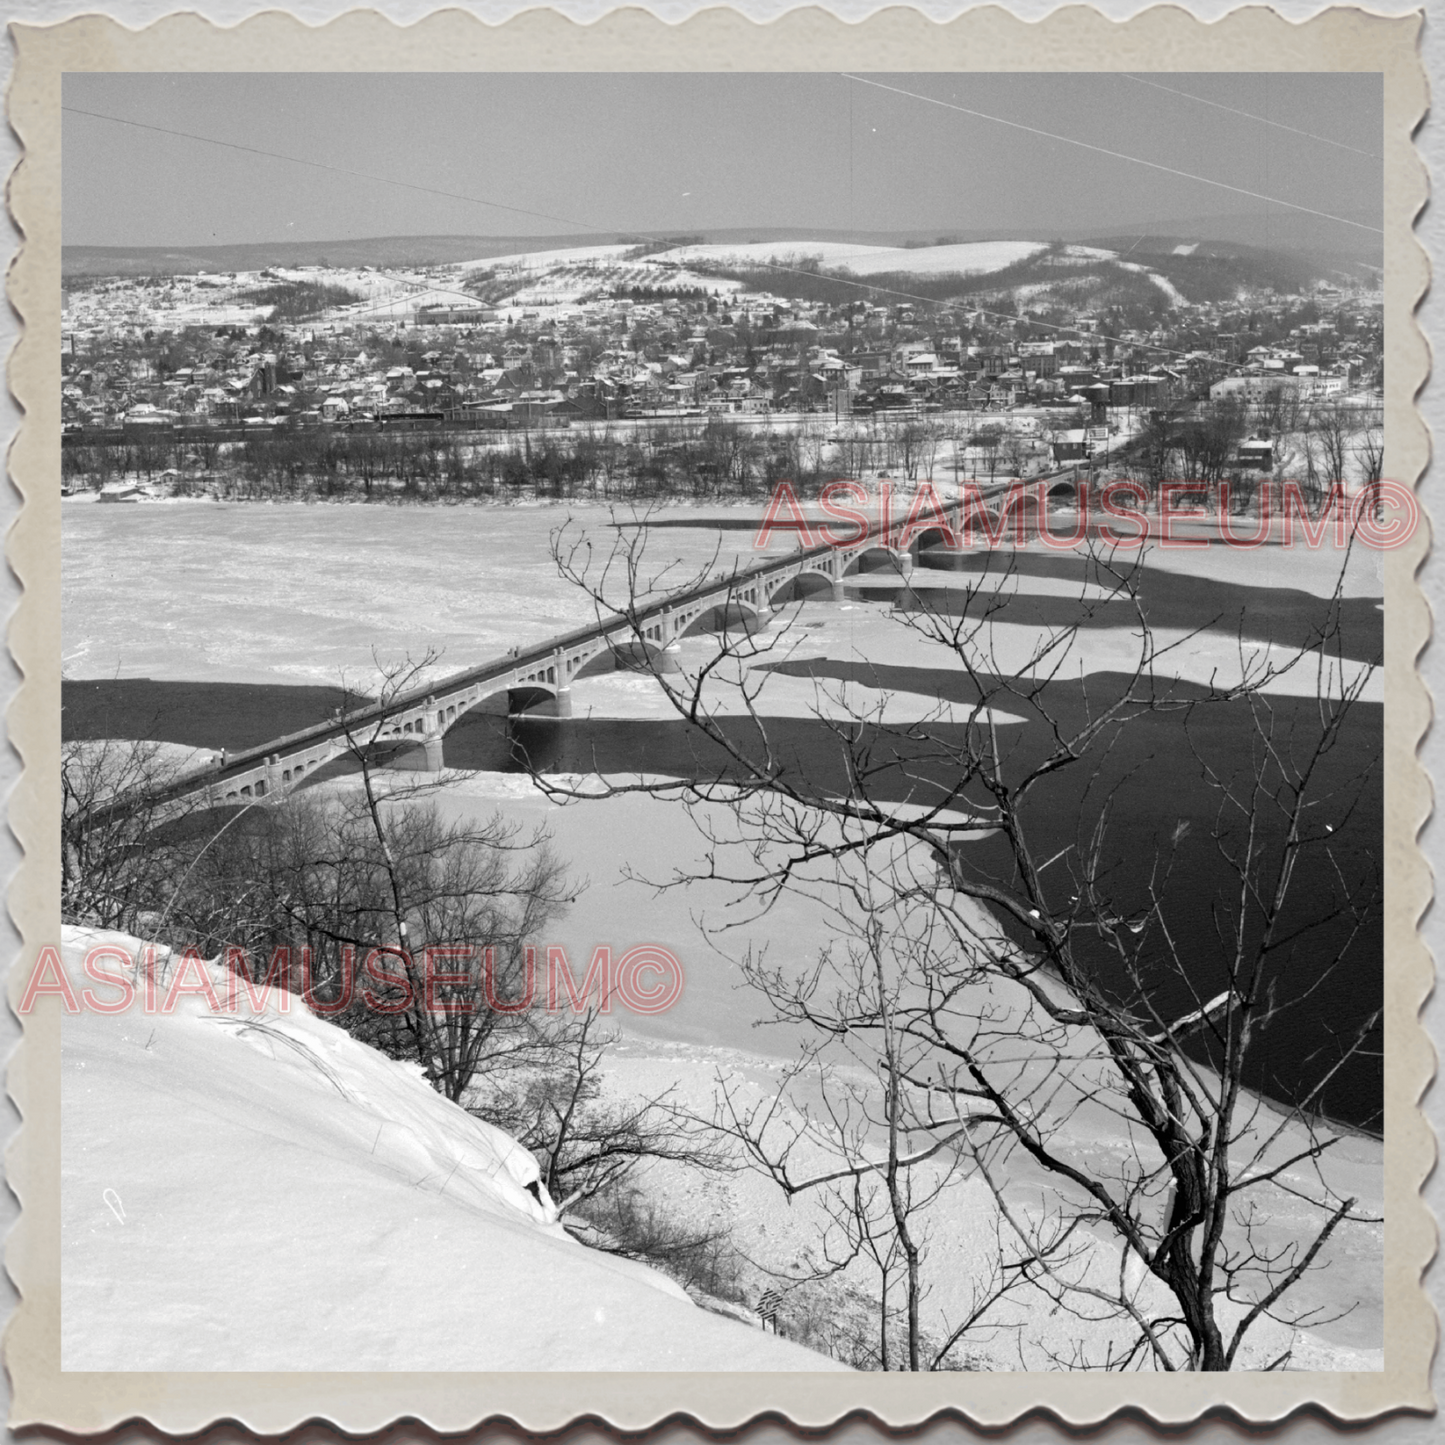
255, 1190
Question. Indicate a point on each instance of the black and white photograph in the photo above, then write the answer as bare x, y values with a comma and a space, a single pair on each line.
723, 721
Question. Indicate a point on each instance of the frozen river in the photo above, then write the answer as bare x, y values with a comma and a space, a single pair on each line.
297, 593
304, 593
281, 595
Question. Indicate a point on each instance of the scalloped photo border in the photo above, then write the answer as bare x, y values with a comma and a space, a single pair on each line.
1074, 39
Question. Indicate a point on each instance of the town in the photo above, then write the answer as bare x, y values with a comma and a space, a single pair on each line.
1031, 358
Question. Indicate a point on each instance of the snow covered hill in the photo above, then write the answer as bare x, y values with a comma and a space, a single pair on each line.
252, 1189
965, 258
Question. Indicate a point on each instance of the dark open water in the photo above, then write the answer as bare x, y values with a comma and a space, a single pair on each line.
1153, 784
1153, 776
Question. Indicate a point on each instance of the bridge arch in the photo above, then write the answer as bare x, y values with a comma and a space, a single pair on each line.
810, 585
932, 537
534, 698
878, 559
298, 771
403, 752
1025, 515
723, 616
637, 654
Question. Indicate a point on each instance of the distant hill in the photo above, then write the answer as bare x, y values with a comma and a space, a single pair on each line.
1291, 232
382, 251
1246, 237
1214, 270
254, 256
1142, 275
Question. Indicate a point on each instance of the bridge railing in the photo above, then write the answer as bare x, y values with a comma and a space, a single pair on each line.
248, 758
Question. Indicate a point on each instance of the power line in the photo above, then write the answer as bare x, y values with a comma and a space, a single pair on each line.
326, 166
1250, 115
774, 266
1116, 155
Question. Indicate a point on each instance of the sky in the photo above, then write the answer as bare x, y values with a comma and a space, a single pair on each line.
667, 154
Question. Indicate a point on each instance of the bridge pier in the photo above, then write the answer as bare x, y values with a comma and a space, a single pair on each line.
907, 598
423, 754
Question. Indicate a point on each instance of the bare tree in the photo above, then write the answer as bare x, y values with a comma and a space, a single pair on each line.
857, 1151
120, 840
1016, 451
1155, 447
990, 442
1208, 440
586, 1142
1043, 992
1370, 454
415, 933
915, 444
1330, 423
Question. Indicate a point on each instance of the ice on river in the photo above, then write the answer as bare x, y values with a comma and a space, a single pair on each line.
298, 593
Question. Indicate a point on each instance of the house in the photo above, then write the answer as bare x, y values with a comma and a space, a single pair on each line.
1256, 453
1072, 446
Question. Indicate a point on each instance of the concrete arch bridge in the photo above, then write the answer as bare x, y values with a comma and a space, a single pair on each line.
407, 731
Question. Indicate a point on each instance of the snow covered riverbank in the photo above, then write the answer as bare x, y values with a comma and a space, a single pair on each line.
258, 1191
251, 1188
